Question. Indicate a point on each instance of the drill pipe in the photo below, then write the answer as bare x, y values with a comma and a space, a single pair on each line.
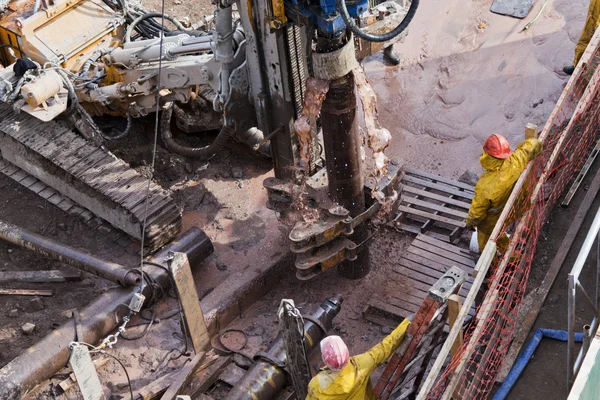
264, 380
342, 156
97, 320
68, 255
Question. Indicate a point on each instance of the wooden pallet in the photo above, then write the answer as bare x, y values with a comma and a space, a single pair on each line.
421, 266
433, 205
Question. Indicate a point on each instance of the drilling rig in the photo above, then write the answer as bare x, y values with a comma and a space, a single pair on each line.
247, 71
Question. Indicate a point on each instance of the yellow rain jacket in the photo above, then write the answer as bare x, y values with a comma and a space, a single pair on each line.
591, 24
354, 381
494, 187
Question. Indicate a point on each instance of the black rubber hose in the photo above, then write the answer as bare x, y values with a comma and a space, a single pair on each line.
203, 153
120, 135
383, 37
141, 18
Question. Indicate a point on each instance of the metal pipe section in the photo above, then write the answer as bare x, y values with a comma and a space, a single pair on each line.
70, 256
587, 330
574, 359
571, 330
189, 49
587, 245
224, 24
198, 39
265, 379
96, 321
342, 154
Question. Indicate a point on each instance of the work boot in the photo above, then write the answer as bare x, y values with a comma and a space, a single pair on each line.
390, 56
569, 69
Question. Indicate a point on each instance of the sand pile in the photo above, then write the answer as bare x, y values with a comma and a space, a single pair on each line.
468, 73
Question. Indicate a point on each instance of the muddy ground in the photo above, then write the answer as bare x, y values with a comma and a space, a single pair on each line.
466, 73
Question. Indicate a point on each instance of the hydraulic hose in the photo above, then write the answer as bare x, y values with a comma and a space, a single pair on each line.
383, 37
120, 135
93, 58
143, 17
203, 153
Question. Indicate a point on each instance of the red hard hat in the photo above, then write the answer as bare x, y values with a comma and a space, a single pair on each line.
335, 353
497, 146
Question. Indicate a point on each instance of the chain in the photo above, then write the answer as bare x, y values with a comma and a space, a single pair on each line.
111, 340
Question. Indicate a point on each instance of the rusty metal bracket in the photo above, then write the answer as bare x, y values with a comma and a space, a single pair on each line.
324, 243
311, 263
309, 236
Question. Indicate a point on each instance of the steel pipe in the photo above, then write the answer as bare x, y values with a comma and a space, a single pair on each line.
198, 39
96, 321
68, 255
342, 155
267, 376
189, 49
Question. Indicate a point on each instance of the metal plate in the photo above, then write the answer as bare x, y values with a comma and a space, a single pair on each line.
512, 8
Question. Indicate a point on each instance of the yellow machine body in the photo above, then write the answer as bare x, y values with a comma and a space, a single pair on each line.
66, 33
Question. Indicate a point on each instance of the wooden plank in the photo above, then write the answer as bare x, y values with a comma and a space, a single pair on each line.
444, 245
449, 221
232, 374
418, 231
26, 292
204, 378
184, 376
533, 302
438, 178
435, 207
434, 273
156, 388
454, 304
407, 297
377, 316
420, 286
72, 379
40, 276
434, 196
414, 275
433, 257
437, 186
190, 303
400, 311
425, 262
457, 258
422, 278
424, 275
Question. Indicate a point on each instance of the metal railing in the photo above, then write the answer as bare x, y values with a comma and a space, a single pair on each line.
575, 286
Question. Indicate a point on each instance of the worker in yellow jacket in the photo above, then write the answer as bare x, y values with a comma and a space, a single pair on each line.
502, 170
591, 24
346, 378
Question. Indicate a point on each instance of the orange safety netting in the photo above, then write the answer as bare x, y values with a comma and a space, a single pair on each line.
568, 136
